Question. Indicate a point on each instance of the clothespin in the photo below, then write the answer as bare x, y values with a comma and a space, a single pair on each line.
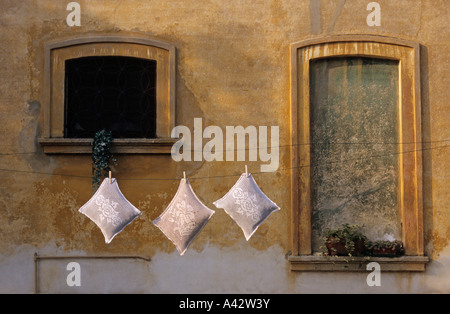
246, 171
109, 176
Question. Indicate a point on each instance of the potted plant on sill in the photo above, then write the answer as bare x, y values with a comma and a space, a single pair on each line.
385, 248
345, 241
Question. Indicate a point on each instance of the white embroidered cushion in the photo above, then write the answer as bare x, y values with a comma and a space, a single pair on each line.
184, 218
109, 209
247, 205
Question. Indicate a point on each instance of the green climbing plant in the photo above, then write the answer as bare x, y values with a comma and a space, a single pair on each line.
101, 157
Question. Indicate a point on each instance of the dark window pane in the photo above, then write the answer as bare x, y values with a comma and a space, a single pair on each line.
113, 93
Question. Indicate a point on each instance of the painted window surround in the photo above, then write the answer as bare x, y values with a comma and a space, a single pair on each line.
410, 152
57, 52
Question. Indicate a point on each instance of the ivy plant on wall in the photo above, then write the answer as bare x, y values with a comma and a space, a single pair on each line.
101, 157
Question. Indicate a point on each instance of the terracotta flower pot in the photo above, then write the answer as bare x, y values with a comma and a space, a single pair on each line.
336, 247
388, 251
384, 251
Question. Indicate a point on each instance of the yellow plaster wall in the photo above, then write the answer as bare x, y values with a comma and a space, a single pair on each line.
232, 69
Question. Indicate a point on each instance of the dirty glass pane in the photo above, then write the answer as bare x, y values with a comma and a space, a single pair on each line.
110, 92
354, 145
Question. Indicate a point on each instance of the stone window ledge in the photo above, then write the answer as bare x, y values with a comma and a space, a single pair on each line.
352, 264
120, 146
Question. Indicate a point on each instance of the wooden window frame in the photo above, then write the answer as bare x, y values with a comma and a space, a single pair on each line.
410, 151
57, 52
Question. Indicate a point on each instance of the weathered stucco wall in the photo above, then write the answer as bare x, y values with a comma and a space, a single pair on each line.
232, 69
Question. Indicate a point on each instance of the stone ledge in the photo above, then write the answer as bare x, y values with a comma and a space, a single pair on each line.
119, 146
348, 263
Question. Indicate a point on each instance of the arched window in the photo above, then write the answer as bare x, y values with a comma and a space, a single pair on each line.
122, 84
356, 142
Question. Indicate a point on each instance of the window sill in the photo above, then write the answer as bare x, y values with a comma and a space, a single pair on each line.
120, 146
351, 264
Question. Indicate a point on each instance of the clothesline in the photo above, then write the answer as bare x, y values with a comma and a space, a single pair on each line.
224, 176
279, 146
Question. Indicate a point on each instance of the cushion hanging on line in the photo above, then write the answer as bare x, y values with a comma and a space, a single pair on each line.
184, 218
247, 205
109, 209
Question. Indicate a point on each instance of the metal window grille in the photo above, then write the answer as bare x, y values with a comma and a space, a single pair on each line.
110, 92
